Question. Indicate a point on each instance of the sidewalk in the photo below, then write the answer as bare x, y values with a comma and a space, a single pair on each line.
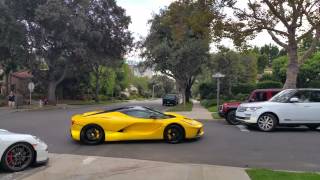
67, 167
198, 112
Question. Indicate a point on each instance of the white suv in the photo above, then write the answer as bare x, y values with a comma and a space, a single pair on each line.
291, 107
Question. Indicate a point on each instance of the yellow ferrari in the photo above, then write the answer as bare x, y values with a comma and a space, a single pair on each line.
133, 123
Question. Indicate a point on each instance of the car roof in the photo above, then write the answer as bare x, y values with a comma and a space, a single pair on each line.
259, 90
120, 109
306, 89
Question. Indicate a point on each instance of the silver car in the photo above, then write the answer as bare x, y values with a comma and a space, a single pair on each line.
19, 151
290, 107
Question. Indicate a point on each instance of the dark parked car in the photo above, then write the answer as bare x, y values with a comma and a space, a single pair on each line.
170, 99
228, 109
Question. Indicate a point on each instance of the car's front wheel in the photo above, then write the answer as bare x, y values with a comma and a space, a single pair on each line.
231, 118
92, 135
174, 134
17, 157
267, 122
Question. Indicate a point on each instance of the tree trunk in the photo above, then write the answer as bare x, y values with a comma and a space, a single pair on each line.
96, 95
7, 91
293, 68
52, 93
53, 83
187, 93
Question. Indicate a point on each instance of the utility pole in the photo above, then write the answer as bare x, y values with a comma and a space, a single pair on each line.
218, 76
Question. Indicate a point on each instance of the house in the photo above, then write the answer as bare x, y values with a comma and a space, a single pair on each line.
17, 82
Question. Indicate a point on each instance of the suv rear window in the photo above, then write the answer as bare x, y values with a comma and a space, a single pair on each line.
261, 96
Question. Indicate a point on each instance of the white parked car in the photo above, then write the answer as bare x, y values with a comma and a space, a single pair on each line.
18, 151
291, 107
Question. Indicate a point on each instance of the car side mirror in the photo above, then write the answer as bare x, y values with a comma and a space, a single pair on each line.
294, 100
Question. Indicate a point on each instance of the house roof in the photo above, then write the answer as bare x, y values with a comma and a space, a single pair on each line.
22, 74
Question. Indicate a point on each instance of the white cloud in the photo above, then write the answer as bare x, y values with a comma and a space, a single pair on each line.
141, 12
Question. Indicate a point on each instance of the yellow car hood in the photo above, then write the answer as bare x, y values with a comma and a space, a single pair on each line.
184, 119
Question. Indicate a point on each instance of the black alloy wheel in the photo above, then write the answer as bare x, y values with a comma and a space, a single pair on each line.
174, 134
231, 118
92, 135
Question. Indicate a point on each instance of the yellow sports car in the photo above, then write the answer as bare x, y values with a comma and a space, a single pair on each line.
133, 123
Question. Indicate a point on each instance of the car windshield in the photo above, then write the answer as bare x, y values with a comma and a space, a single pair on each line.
283, 96
170, 96
158, 114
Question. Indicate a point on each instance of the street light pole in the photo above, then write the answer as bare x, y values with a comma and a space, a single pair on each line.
218, 76
218, 92
153, 86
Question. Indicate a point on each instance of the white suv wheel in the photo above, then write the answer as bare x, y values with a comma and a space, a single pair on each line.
267, 122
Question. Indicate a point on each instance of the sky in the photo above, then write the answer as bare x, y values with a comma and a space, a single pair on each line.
142, 10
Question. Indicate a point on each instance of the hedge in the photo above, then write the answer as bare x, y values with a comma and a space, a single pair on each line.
269, 84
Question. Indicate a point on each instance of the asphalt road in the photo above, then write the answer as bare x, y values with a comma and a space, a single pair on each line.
286, 148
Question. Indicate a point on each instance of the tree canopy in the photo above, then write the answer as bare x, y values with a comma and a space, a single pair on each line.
178, 42
288, 22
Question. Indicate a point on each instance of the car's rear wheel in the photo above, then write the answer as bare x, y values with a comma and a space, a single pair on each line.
231, 118
267, 122
18, 157
174, 134
313, 127
92, 135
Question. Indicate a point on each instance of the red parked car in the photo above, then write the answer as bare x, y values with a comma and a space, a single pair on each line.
228, 110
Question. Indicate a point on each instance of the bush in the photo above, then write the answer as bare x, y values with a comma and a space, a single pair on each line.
243, 88
209, 102
314, 84
267, 77
269, 84
207, 90
104, 97
241, 97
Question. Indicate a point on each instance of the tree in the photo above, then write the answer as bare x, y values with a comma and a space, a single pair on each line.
299, 18
308, 73
227, 62
13, 42
262, 62
107, 38
59, 25
270, 51
178, 42
164, 84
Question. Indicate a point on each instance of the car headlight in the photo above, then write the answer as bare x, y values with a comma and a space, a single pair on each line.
37, 139
252, 108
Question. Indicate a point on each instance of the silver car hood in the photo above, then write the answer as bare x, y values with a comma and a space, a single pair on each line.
257, 104
5, 132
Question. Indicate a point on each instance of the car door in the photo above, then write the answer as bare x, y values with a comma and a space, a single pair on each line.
297, 112
314, 106
143, 125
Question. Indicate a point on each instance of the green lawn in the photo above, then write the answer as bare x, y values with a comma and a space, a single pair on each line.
181, 107
263, 174
214, 111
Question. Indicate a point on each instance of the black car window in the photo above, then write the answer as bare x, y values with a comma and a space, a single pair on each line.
315, 96
170, 96
283, 96
138, 113
273, 93
146, 113
303, 96
261, 96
